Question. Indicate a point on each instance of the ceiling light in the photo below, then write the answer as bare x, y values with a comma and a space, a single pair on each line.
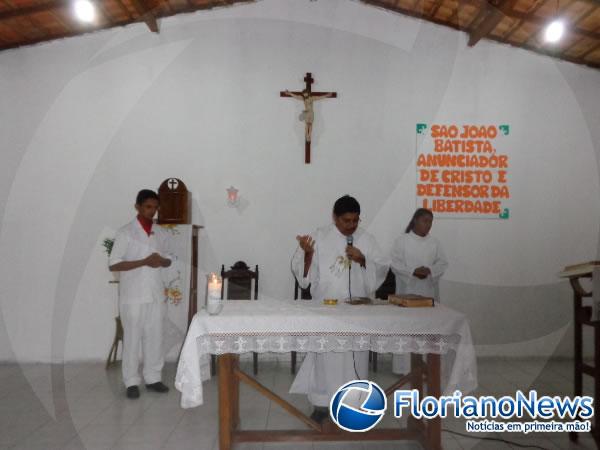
554, 31
85, 11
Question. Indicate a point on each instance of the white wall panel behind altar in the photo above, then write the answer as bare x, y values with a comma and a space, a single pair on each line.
88, 121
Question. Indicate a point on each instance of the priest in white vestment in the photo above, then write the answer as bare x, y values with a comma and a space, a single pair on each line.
418, 262
337, 261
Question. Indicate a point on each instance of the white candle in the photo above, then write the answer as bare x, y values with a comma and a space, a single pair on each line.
214, 303
214, 287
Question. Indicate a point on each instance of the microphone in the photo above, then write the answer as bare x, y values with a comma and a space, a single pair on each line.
349, 241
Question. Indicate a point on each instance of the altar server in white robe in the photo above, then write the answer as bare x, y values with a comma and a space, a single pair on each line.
324, 260
418, 262
139, 252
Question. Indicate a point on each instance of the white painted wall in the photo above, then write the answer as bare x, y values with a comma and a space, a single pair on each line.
86, 122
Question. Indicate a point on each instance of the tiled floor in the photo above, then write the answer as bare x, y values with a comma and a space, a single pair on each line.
83, 406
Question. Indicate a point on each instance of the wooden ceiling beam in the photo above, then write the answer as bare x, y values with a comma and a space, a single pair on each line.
519, 22
103, 12
435, 8
541, 51
576, 22
410, 13
493, 15
478, 19
43, 7
579, 60
124, 9
74, 32
55, 8
539, 21
589, 51
145, 14
35, 30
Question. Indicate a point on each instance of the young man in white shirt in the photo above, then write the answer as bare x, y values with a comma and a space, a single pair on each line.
139, 253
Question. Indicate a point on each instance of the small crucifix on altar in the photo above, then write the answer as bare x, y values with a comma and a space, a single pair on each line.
308, 115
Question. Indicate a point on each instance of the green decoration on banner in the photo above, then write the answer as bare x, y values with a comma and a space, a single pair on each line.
421, 128
505, 129
505, 214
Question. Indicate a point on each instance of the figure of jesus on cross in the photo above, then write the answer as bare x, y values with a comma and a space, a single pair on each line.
308, 115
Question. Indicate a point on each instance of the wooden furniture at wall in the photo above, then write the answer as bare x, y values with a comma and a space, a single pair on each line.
582, 316
175, 203
239, 279
193, 301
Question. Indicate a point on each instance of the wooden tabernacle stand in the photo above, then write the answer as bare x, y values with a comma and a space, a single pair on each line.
582, 315
175, 209
428, 433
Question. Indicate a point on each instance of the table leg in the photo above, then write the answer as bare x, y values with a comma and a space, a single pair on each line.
235, 393
416, 369
434, 388
225, 401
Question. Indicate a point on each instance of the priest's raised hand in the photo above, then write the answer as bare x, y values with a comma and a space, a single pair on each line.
307, 244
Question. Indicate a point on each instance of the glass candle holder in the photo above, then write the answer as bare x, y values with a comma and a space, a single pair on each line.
214, 302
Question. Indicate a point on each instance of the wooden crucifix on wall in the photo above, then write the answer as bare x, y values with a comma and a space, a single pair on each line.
308, 115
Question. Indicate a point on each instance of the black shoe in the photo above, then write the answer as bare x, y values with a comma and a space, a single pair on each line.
157, 387
319, 414
133, 392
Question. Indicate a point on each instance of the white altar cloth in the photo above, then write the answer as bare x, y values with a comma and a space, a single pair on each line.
308, 325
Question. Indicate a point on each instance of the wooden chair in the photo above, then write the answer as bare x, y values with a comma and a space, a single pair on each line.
304, 294
239, 280
388, 287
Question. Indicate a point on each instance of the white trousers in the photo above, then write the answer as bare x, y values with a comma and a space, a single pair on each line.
322, 374
143, 330
401, 364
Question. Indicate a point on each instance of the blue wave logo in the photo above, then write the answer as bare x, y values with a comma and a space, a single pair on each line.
358, 406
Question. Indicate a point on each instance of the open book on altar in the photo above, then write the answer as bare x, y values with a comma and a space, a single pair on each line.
579, 269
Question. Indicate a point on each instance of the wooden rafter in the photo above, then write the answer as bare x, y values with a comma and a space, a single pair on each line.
519, 16
435, 8
542, 51
502, 21
43, 7
410, 13
580, 18
589, 51
38, 28
145, 14
74, 32
124, 9
493, 15
535, 36
519, 22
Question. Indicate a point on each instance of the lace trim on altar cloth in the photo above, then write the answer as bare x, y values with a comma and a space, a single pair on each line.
327, 342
